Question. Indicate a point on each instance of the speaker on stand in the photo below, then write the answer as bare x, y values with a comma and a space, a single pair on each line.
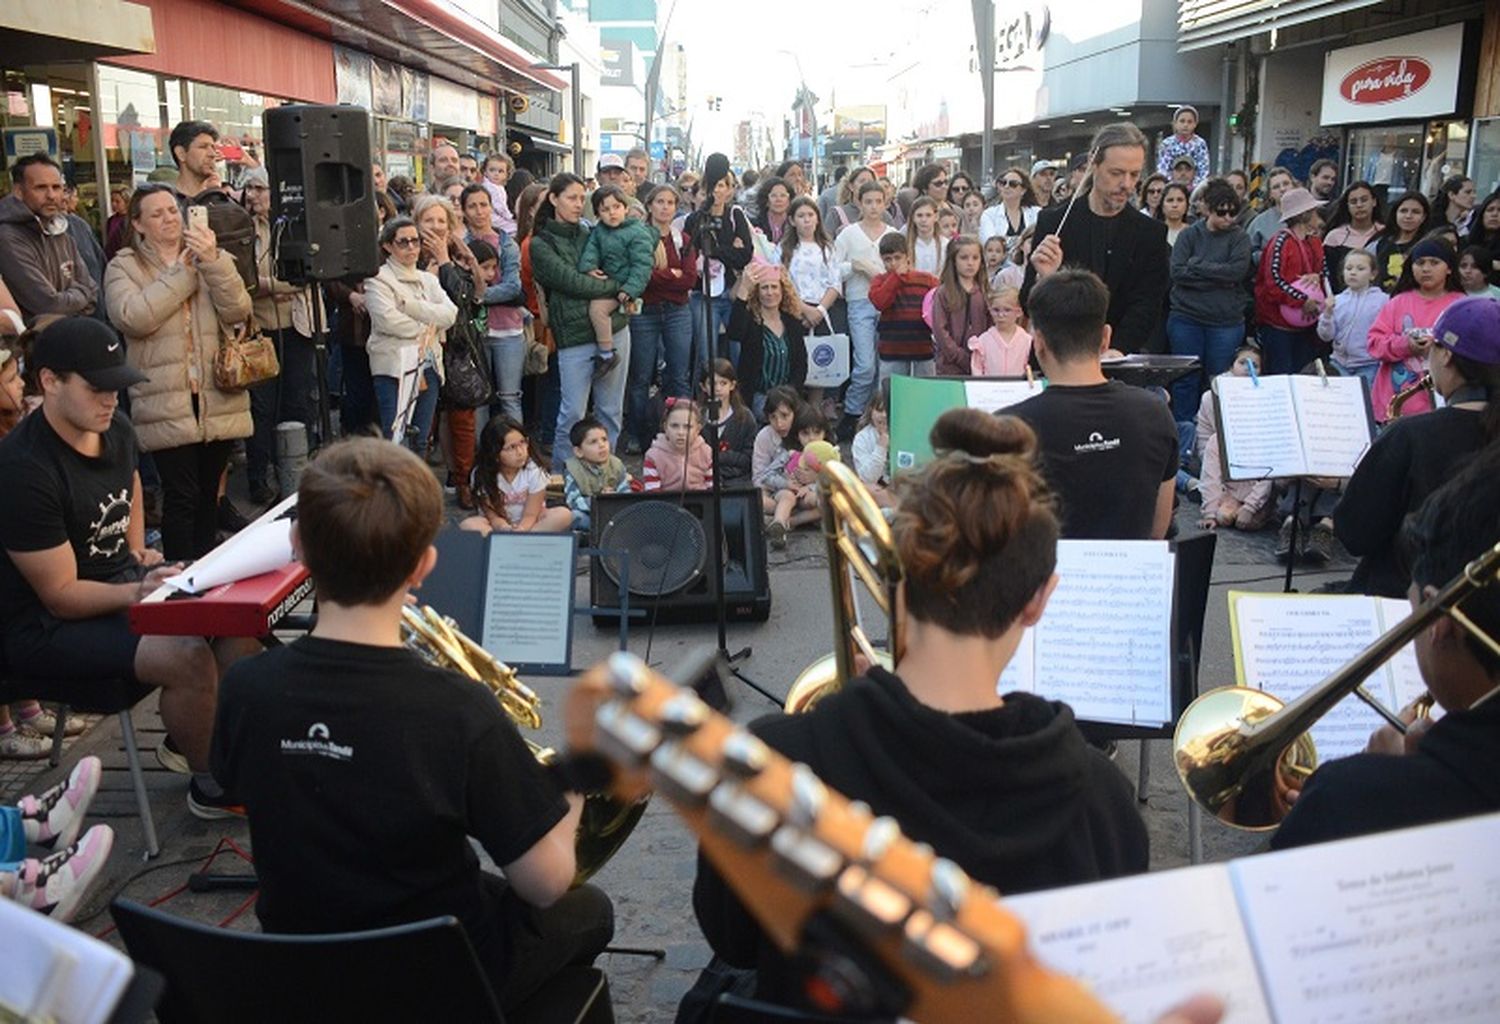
324, 226
669, 546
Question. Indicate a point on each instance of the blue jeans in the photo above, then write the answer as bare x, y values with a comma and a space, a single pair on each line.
507, 364
1213, 344
1286, 351
662, 330
863, 318
721, 306
12, 839
1367, 371
388, 389
575, 368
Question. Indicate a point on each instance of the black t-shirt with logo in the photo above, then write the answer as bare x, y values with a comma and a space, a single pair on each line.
54, 494
1105, 451
364, 770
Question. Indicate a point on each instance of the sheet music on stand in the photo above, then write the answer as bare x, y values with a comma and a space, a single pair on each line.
528, 601
1286, 643
1104, 643
1292, 425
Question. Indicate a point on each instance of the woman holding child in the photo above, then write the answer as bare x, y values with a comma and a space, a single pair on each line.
556, 244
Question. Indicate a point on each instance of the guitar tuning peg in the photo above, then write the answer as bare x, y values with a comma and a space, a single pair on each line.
950, 886
682, 715
861, 810
809, 796
744, 755
879, 837
626, 674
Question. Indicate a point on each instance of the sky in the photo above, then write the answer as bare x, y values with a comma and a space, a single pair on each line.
846, 49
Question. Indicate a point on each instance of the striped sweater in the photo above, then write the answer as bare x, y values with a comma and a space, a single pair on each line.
902, 333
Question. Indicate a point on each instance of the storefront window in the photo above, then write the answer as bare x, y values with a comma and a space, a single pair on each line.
1484, 155
135, 110
237, 115
55, 100
1447, 153
1389, 157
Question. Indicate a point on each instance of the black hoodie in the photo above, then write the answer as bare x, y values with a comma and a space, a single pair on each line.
1014, 796
1454, 773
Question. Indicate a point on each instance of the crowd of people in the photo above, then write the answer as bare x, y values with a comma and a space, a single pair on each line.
523, 335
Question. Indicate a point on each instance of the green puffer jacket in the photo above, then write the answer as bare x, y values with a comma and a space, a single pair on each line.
631, 246
555, 250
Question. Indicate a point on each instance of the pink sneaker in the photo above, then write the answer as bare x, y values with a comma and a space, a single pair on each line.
54, 818
56, 884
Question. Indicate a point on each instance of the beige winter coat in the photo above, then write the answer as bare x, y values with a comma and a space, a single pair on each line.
408, 311
171, 318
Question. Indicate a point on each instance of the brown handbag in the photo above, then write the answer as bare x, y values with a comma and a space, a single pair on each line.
245, 357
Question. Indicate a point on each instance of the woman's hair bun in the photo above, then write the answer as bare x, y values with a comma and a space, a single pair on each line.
979, 434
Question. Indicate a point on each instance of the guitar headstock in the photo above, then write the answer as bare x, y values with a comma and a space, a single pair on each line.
794, 850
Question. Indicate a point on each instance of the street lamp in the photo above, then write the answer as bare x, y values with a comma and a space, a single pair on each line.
810, 101
577, 110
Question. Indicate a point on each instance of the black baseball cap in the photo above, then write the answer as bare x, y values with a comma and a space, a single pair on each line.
88, 348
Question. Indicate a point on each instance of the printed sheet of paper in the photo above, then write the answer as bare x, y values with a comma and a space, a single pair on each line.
1334, 416
1407, 683
1286, 643
1104, 644
52, 972
1399, 926
1260, 434
1144, 944
993, 395
528, 608
263, 546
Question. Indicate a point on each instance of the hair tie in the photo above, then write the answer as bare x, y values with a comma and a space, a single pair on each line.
994, 458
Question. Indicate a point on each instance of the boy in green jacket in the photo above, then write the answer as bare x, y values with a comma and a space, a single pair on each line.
622, 248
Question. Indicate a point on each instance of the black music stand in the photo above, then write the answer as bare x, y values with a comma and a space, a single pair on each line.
1151, 370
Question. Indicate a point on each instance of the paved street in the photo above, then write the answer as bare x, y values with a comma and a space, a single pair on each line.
650, 880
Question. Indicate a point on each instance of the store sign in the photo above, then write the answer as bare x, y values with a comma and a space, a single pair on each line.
1406, 77
1386, 80
1019, 38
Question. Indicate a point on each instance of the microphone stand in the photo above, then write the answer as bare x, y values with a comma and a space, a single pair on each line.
707, 245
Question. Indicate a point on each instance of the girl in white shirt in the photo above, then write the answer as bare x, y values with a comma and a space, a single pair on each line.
857, 253
510, 488
923, 241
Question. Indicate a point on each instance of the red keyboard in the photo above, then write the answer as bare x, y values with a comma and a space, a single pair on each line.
249, 608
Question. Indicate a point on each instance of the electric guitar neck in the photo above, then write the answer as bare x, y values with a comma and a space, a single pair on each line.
807, 862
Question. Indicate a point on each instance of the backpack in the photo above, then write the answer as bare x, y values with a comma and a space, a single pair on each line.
234, 230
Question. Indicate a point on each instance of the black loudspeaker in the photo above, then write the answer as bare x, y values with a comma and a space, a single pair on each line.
324, 225
661, 548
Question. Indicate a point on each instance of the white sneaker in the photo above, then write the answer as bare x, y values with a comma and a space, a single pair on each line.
45, 722
55, 885
22, 744
54, 818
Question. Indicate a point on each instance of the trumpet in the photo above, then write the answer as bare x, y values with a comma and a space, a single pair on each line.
606, 822
1240, 751
860, 546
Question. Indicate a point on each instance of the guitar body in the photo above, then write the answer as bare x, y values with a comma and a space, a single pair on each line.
799, 855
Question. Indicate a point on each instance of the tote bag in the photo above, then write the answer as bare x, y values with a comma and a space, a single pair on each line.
827, 358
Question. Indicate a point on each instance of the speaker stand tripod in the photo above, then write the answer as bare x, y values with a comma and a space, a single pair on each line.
706, 243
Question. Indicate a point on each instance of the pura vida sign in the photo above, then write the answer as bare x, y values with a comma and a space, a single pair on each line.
1414, 76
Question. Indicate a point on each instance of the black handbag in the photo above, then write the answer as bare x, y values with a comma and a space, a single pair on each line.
466, 373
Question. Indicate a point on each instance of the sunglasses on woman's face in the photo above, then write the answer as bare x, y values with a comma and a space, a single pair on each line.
1155, 191
1010, 183
960, 188
406, 242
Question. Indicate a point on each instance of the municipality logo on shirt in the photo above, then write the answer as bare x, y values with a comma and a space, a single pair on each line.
1097, 442
318, 743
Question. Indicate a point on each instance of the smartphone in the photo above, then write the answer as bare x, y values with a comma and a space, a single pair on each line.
197, 216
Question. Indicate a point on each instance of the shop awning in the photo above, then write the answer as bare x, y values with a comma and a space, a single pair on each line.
1202, 23
427, 34
41, 31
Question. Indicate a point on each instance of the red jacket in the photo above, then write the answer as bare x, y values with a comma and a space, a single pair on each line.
665, 286
1285, 260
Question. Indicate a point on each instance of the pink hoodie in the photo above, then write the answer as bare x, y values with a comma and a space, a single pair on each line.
1398, 366
663, 467
993, 356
